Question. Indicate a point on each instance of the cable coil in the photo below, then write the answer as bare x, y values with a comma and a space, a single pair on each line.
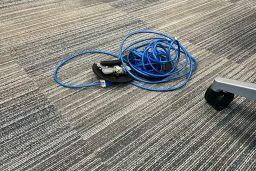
154, 60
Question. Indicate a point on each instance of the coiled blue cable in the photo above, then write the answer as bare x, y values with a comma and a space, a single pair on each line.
147, 58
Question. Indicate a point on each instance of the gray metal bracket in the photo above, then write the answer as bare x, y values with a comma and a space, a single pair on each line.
240, 88
221, 93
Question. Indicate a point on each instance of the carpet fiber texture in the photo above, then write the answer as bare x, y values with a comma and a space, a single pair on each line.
46, 127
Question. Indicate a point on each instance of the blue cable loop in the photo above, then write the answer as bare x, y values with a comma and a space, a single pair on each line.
65, 61
146, 57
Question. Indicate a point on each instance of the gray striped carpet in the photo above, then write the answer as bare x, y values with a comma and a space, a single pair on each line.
46, 127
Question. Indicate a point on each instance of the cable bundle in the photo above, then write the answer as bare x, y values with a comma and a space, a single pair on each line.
154, 60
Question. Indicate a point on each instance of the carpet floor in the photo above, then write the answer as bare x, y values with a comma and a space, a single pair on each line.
46, 127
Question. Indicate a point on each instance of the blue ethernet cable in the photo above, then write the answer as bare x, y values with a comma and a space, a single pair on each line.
146, 57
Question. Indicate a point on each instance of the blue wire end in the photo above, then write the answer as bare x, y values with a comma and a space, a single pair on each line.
104, 83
